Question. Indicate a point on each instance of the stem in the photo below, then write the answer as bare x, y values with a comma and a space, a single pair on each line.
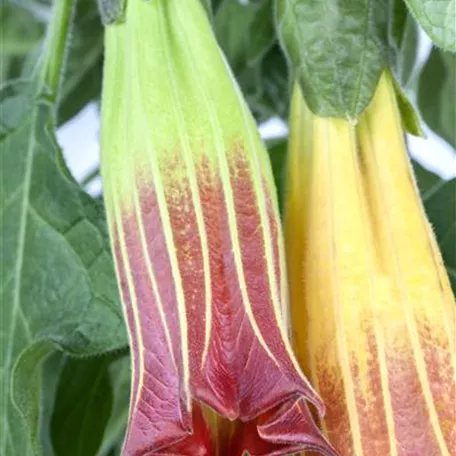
55, 44
90, 177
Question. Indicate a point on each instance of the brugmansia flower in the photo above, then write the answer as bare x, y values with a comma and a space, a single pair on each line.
372, 309
196, 236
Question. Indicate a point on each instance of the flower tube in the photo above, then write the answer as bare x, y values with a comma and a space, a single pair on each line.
372, 310
196, 236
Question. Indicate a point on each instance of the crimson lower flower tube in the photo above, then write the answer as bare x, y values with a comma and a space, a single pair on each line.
197, 242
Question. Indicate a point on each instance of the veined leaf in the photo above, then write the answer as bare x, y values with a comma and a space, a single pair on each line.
438, 19
337, 49
57, 282
196, 234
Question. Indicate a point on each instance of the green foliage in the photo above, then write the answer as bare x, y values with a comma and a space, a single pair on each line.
277, 150
409, 115
20, 32
437, 94
438, 19
246, 34
82, 82
119, 372
403, 44
58, 287
64, 372
338, 62
82, 407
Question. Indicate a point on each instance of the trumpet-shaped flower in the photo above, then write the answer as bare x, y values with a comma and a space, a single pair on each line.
372, 310
197, 242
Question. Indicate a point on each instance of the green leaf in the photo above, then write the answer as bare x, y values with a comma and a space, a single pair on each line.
51, 371
277, 149
83, 73
261, 33
408, 54
20, 33
28, 395
35, 378
114, 433
439, 198
438, 19
337, 49
266, 86
58, 288
403, 43
245, 32
437, 94
232, 25
410, 118
82, 407
403, 52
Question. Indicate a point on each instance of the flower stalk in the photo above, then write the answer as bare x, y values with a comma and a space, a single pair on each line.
372, 310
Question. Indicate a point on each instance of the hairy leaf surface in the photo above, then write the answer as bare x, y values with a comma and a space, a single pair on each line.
438, 19
57, 282
337, 50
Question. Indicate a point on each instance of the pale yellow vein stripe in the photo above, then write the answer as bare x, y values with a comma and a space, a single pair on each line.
329, 147
280, 303
131, 292
267, 236
167, 231
150, 273
191, 173
229, 200
370, 268
305, 176
113, 227
121, 234
407, 308
113, 62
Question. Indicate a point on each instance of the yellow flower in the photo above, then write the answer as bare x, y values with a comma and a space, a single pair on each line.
373, 314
